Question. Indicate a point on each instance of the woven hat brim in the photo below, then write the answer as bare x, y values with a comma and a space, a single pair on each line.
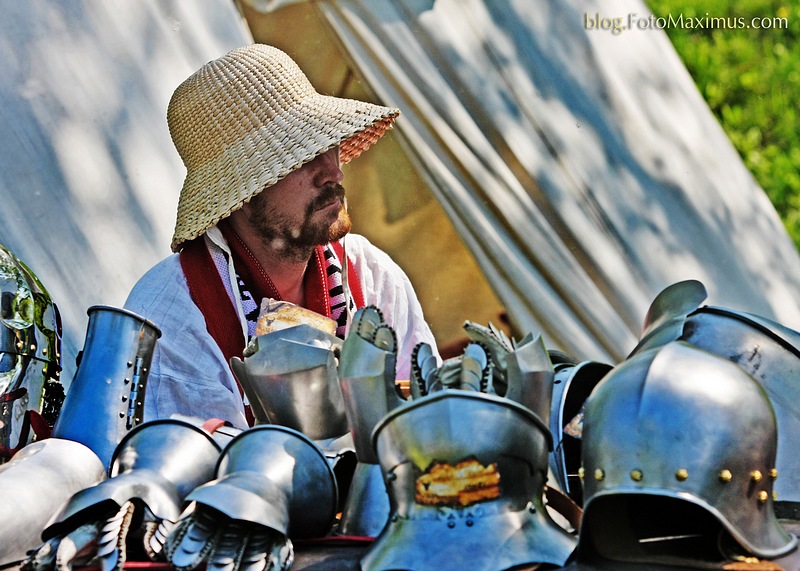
212, 191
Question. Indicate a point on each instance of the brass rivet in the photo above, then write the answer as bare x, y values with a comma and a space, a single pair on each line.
756, 475
773, 473
774, 496
763, 496
19, 344
33, 347
636, 475
682, 474
581, 473
725, 476
44, 351
599, 475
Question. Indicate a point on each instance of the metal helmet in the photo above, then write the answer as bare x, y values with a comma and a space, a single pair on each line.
678, 430
767, 350
465, 473
30, 357
572, 385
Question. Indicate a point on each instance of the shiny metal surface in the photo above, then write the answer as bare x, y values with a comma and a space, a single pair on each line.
529, 376
767, 350
682, 423
36, 483
367, 380
572, 385
508, 528
30, 354
106, 398
668, 312
276, 477
158, 463
290, 379
367, 509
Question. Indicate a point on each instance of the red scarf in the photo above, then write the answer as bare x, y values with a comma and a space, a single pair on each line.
210, 296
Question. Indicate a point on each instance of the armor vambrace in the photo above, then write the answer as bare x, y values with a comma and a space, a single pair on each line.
36, 483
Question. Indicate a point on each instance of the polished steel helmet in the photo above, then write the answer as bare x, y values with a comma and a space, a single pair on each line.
31, 393
465, 474
572, 385
679, 452
767, 350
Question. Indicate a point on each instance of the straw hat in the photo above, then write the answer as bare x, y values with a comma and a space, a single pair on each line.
246, 120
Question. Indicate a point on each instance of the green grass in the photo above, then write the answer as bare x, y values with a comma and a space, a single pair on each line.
751, 81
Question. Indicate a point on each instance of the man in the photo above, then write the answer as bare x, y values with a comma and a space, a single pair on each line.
262, 214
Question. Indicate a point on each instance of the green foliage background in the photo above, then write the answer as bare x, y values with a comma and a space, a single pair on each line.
751, 80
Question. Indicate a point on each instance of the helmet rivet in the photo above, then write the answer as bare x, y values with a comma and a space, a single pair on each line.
636, 475
763, 496
725, 476
599, 474
756, 475
773, 473
581, 473
682, 474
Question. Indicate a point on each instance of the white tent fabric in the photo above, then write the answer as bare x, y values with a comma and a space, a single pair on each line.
581, 168
89, 178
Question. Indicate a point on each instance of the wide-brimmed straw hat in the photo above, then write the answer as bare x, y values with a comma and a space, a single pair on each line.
244, 121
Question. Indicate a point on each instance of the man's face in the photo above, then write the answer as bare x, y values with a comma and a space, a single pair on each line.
304, 209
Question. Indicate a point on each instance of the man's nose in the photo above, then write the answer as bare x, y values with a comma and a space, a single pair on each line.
328, 168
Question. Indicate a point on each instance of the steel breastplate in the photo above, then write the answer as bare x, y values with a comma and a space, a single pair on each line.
465, 474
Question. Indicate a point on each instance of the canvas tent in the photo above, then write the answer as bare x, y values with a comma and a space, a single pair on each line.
558, 174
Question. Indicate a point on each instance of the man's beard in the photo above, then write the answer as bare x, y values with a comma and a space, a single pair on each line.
298, 238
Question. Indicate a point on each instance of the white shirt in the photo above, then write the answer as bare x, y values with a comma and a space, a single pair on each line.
189, 375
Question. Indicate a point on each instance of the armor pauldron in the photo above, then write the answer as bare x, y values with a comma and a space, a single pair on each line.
36, 483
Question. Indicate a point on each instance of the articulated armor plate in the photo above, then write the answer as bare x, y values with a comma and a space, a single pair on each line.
692, 439
275, 477
290, 379
367, 377
529, 374
30, 357
106, 397
36, 482
572, 386
465, 473
765, 349
158, 462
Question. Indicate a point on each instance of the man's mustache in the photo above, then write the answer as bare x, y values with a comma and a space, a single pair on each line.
328, 193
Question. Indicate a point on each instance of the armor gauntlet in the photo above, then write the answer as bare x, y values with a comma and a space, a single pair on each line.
272, 483
153, 469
